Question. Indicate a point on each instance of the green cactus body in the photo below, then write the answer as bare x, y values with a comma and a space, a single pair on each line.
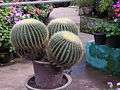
62, 24
29, 34
64, 49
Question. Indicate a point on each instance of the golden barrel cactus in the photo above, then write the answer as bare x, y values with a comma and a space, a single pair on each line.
62, 24
64, 49
30, 35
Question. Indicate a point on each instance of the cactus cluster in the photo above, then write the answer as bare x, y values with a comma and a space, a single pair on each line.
64, 49
62, 24
29, 34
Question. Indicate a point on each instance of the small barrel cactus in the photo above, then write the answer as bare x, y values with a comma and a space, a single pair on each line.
62, 24
29, 34
64, 49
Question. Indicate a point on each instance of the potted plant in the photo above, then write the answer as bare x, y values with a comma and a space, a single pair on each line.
50, 56
99, 34
113, 35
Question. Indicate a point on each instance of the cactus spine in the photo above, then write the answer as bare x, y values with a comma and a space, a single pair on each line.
29, 34
62, 24
64, 49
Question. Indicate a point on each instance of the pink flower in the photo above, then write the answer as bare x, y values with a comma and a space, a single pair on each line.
117, 15
116, 5
118, 1
117, 10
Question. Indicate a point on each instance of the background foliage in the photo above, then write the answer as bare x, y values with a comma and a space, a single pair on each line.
5, 28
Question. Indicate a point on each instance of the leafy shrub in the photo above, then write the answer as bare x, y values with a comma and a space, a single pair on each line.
91, 25
5, 29
112, 29
84, 3
104, 5
38, 11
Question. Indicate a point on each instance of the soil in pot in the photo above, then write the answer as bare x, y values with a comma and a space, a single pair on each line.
100, 38
66, 81
113, 41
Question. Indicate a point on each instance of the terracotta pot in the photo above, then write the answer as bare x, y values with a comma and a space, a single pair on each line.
64, 87
47, 76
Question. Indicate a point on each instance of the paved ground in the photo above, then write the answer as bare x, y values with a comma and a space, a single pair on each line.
13, 77
71, 12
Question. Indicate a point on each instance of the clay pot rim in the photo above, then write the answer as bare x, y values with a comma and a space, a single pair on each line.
69, 81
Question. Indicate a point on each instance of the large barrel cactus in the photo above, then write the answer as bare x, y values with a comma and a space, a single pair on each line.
62, 24
64, 49
29, 34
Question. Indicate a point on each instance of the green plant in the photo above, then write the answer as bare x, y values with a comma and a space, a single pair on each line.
5, 29
62, 24
38, 11
64, 49
100, 27
112, 29
104, 5
28, 8
109, 28
84, 3
7, 1
30, 35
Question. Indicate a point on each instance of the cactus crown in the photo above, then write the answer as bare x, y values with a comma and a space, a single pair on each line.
29, 34
70, 37
62, 24
27, 21
64, 49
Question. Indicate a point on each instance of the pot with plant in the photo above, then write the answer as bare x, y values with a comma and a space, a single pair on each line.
113, 35
99, 34
50, 56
